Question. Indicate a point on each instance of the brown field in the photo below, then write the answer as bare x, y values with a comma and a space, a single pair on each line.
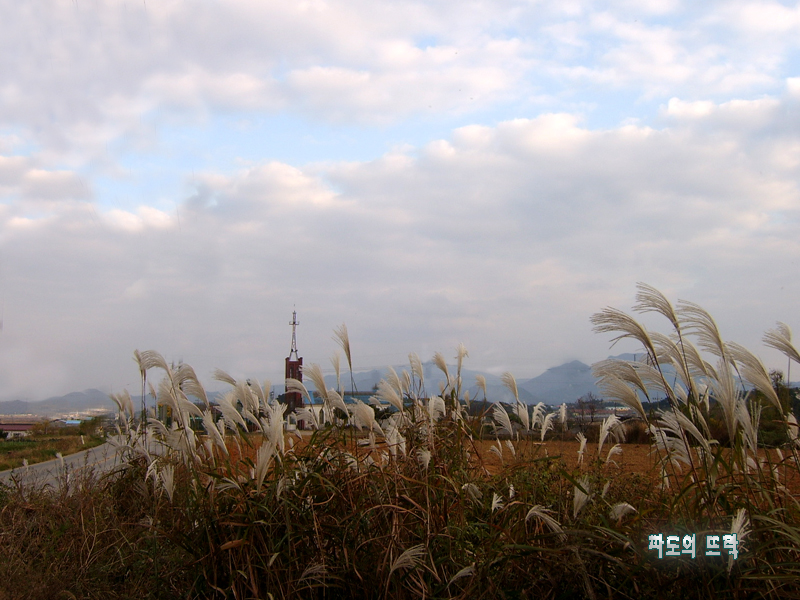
635, 458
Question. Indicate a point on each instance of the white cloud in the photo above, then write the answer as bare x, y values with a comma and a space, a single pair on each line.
507, 237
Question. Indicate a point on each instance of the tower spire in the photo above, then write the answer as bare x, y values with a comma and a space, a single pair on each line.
294, 324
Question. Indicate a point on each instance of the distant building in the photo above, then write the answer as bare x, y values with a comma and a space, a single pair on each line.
294, 370
17, 426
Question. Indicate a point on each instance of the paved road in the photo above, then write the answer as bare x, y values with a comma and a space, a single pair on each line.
101, 458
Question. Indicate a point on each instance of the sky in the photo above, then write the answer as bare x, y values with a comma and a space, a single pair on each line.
182, 175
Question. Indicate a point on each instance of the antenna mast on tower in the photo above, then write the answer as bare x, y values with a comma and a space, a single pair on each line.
294, 324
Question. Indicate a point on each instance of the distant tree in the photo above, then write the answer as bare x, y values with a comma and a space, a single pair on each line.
3, 434
43, 427
91, 426
588, 405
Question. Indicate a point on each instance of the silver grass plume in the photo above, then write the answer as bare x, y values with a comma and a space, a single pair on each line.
258, 393
364, 416
424, 457
394, 440
149, 359
612, 320
461, 352
314, 373
670, 353
316, 573
615, 378
511, 383
749, 423
521, 410
792, 429
341, 337
481, 381
753, 370
247, 396
581, 495
416, 368
336, 401
511, 449
726, 392
124, 402
547, 424
310, 414
167, 477
699, 323
189, 383
229, 413
266, 391
537, 416
406, 382
295, 385
440, 362
497, 502
649, 299
618, 511
409, 559
543, 514
582, 449
780, 338
222, 376
610, 426
263, 460
388, 394
436, 409
472, 491
497, 450
394, 380
740, 526
562, 414
337, 367
274, 429
213, 431
501, 417
467, 571
614, 450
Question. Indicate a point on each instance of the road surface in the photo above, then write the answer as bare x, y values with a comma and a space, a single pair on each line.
52, 473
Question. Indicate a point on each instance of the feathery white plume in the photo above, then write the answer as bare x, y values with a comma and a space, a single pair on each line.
511, 383
582, 440
497, 502
547, 424
409, 559
618, 511
542, 513
501, 417
582, 494
481, 381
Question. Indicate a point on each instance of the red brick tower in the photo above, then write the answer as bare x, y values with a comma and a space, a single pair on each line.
294, 369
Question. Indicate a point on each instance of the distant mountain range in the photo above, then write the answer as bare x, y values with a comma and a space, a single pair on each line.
564, 383
75, 402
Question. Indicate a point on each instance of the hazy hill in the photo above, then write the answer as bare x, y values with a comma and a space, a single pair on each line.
73, 402
565, 383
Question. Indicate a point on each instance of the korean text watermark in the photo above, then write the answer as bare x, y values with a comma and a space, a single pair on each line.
676, 545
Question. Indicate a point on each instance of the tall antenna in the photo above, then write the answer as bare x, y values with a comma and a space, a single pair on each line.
294, 325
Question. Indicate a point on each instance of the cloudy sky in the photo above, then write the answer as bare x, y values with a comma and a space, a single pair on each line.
179, 175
